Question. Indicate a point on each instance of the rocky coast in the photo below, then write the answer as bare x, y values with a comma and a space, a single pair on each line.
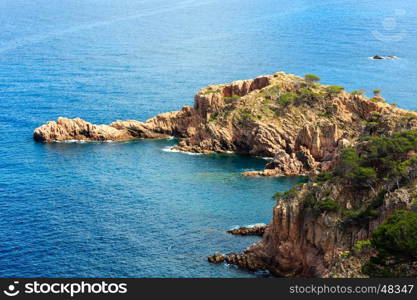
345, 141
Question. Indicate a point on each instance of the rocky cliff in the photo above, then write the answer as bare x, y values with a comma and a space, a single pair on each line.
319, 228
301, 124
299, 243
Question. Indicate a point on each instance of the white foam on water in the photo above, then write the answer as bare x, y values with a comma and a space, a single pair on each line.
248, 226
255, 225
74, 141
170, 149
70, 142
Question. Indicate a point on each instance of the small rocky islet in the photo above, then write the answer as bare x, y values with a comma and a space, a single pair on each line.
379, 57
360, 154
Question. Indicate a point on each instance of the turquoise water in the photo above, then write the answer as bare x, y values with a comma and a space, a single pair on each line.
134, 209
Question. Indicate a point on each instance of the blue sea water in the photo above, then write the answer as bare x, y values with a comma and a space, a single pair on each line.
134, 209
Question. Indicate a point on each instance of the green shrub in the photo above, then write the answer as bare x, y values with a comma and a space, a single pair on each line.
325, 114
213, 116
270, 93
286, 99
345, 254
377, 99
379, 199
311, 78
266, 102
333, 90
360, 246
389, 155
324, 176
375, 117
349, 161
231, 99
397, 236
371, 124
318, 207
245, 116
210, 91
382, 159
328, 205
359, 217
309, 200
362, 216
305, 94
278, 195
292, 192
378, 269
373, 121
410, 116
362, 176
396, 244
351, 167
358, 92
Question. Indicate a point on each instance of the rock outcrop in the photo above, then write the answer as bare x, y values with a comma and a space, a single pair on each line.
216, 258
258, 230
379, 57
301, 125
76, 129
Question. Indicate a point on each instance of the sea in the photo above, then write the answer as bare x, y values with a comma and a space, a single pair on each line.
139, 209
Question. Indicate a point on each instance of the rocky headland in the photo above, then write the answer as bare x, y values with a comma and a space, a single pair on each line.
360, 154
298, 122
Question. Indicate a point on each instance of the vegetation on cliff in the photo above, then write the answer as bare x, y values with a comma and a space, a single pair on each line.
355, 219
380, 159
396, 244
372, 182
